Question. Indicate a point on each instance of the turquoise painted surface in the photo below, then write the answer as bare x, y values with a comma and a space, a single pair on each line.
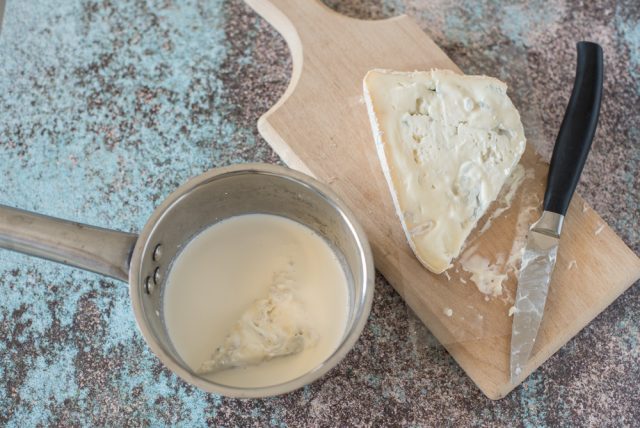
105, 110
107, 106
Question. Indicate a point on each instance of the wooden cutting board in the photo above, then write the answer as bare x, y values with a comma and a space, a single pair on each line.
320, 126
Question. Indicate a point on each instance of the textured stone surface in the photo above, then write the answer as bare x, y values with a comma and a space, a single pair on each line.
106, 106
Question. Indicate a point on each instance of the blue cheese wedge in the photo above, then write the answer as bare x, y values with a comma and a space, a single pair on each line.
271, 327
447, 143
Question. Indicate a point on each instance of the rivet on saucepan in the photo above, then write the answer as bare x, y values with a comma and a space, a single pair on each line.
157, 253
148, 285
157, 276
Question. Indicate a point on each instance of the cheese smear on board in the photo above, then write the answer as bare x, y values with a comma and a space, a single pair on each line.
256, 300
447, 143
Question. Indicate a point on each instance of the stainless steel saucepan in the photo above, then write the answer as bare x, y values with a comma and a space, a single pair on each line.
143, 260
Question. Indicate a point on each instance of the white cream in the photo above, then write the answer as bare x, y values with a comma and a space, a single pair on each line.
234, 270
528, 213
486, 276
505, 198
489, 277
446, 143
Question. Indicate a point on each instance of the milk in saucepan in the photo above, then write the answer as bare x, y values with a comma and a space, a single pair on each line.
231, 267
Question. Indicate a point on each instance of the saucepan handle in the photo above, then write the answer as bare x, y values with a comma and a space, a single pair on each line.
103, 251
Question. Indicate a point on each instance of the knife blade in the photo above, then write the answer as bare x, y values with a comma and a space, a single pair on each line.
538, 261
543, 240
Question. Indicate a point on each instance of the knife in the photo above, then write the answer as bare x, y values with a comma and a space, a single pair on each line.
569, 155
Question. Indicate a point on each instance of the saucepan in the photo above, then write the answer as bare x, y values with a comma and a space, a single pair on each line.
145, 259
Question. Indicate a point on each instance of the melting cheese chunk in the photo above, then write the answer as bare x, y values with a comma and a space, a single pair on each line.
447, 143
271, 327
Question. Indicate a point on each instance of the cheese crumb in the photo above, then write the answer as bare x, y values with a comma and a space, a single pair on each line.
572, 264
600, 228
448, 312
512, 310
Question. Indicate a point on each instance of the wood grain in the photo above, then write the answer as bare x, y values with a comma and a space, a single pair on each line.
320, 127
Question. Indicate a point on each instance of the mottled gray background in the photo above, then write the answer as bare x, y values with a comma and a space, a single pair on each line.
107, 106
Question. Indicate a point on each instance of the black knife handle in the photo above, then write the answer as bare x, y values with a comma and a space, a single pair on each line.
577, 129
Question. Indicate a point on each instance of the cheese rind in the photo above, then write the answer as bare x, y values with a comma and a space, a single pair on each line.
447, 143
